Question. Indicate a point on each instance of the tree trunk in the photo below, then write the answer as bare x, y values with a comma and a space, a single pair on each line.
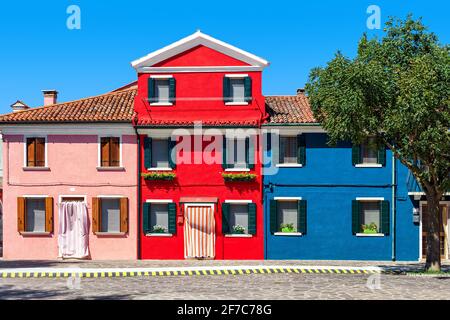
433, 227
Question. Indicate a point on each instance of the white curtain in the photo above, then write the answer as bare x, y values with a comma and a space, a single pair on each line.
73, 238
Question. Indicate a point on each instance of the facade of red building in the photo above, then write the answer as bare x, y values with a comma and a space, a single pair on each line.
199, 107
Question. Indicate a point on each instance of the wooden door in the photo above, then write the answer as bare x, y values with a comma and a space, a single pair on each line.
443, 232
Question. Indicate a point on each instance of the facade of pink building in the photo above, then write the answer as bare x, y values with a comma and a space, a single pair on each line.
70, 165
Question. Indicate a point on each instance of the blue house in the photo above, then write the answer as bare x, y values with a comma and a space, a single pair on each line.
343, 202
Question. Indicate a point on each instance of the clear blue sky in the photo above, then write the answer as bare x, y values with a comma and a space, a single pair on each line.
39, 52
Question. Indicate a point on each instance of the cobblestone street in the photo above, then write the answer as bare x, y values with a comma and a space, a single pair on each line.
254, 286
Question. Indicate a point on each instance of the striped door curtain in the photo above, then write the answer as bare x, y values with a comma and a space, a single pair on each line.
199, 232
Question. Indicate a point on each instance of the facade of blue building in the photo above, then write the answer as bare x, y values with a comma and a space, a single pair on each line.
340, 202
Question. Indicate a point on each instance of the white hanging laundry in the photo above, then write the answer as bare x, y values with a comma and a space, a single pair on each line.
73, 238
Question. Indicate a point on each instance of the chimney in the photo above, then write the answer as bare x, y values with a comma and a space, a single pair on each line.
19, 106
300, 91
50, 97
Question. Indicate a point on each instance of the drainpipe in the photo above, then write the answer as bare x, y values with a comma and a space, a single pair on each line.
394, 205
138, 195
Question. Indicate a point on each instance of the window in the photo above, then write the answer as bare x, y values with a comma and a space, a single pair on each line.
35, 153
110, 215
35, 214
288, 216
161, 90
370, 217
110, 152
369, 154
292, 151
159, 153
159, 217
236, 153
238, 218
237, 89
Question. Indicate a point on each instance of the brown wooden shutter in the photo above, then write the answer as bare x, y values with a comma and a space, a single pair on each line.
104, 152
40, 152
31, 147
21, 209
124, 215
96, 214
49, 214
114, 152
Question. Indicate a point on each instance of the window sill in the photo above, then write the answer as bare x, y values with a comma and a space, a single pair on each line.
110, 234
36, 169
161, 104
158, 235
110, 169
35, 234
160, 169
289, 165
368, 165
237, 170
237, 235
236, 103
289, 234
370, 234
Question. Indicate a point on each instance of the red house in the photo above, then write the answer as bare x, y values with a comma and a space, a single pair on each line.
199, 107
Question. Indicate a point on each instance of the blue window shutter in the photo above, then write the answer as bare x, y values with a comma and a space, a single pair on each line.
146, 228
224, 153
151, 90
385, 218
381, 155
248, 89
172, 90
252, 218
301, 216
148, 152
172, 208
356, 154
225, 217
226, 90
356, 215
250, 152
301, 149
172, 153
273, 216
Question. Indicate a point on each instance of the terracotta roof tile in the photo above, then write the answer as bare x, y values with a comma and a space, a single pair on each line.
116, 106
289, 109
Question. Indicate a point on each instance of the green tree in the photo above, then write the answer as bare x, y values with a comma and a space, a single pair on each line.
395, 90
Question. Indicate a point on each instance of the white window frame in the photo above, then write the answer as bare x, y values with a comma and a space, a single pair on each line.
25, 153
162, 137
99, 153
233, 235
161, 77
287, 165
108, 233
367, 165
235, 141
370, 199
237, 76
289, 234
159, 201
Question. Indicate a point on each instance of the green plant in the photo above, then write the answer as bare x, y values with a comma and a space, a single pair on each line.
168, 176
238, 229
159, 229
287, 227
238, 176
370, 228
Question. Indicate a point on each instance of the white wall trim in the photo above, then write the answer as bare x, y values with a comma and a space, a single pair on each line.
35, 196
60, 197
161, 76
289, 165
369, 199
236, 75
287, 198
238, 201
368, 165
195, 69
159, 201
67, 129
293, 130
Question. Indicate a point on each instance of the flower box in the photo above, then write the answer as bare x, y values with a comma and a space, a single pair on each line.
165, 176
229, 177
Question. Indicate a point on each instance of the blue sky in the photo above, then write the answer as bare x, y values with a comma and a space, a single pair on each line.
39, 52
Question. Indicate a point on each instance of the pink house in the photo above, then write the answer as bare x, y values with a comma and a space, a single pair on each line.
74, 159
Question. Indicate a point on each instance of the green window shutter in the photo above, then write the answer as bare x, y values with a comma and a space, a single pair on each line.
172, 153
281, 148
273, 216
250, 152
146, 228
356, 154
172, 90
356, 213
224, 153
301, 149
301, 216
268, 141
172, 208
225, 217
382, 155
248, 89
252, 218
148, 152
385, 218
151, 90
226, 90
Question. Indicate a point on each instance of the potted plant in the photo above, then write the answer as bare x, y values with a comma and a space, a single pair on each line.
370, 228
166, 176
287, 228
238, 229
158, 229
244, 176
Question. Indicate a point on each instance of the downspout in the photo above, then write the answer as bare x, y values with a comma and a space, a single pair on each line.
138, 192
394, 205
